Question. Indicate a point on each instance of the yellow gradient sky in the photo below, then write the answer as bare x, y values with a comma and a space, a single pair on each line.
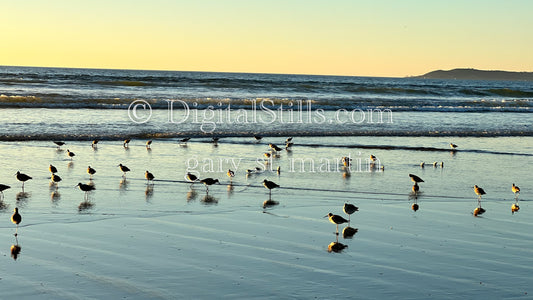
367, 38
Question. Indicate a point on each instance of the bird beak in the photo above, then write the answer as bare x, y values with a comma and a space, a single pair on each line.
325, 216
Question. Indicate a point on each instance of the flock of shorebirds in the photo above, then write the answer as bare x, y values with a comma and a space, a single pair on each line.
348, 208
192, 178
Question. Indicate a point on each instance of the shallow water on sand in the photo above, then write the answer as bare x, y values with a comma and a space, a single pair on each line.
171, 241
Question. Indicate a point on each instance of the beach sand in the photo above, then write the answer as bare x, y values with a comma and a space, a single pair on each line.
170, 241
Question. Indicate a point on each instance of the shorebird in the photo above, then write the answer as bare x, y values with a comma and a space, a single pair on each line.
278, 170
422, 164
148, 144
22, 177
336, 219
373, 158
94, 144
126, 143
208, 182
55, 179
16, 218
416, 188
86, 188
91, 171
349, 209
435, 164
3, 187
215, 139
415, 178
191, 177
184, 140
124, 169
479, 191
270, 185
149, 176
515, 189
52, 169
70, 154
230, 174
257, 137
288, 140
59, 144
442, 164
514, 208
267, 154
346, 161
274, 147
453, 146
288, 145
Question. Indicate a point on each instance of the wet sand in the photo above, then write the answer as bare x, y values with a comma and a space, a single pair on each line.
170, 241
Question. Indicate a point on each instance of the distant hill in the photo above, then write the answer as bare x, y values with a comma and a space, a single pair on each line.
473, 74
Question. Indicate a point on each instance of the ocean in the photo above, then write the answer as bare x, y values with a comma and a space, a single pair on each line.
77, 104
172, 238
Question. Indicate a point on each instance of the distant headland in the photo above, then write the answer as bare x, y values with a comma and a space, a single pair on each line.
473, 74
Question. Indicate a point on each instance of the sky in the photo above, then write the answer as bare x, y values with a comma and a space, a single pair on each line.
386, 38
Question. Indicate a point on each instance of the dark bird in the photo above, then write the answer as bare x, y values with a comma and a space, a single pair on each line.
3, 187
191, 178
215, 139
148, 144
514, 208
349, 209
52, 169
70, 154
85, 188
184, 140
288, 140
230, 174
270, 185
336, 219
274, 147
415, 178
208, 182
415, 188
126, 143
149, 176
515, 189
94, 144
373, 158
59, 144
16, 218
124, 169
22, 177
257, 137
91, 171
56, 179
453, 146
479, 191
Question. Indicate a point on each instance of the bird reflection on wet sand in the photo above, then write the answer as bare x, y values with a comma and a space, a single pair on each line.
85, 206
209, 199
269, 203
149, 192
3, 206
336, 247
123, 184
55, 196
22, 198
230, 190
15, 250
348, 232
191, 195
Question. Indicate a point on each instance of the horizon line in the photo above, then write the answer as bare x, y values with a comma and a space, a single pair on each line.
199, 71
